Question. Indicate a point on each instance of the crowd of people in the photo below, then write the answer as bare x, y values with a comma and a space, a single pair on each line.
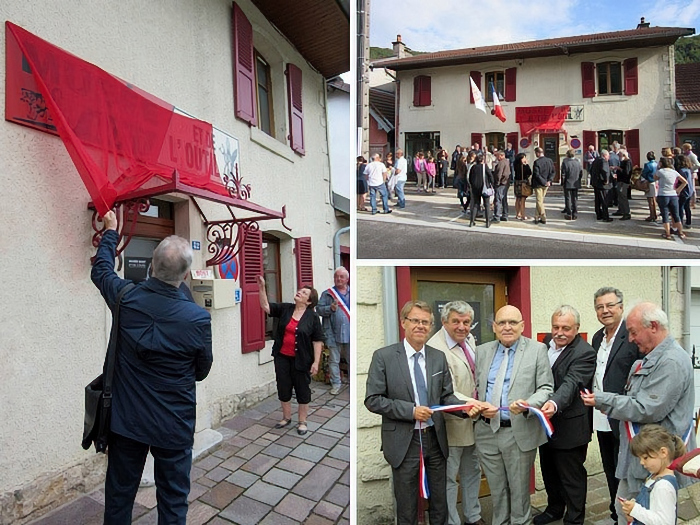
482, 178
633, 386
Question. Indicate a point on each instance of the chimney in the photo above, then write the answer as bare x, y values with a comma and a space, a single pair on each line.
399, 48
642, 24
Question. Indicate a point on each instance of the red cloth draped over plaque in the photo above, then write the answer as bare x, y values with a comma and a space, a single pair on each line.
541, 119
120, 138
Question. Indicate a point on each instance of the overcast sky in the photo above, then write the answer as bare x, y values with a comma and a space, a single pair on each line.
454, 24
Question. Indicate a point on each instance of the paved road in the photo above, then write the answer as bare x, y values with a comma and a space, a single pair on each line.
431, 227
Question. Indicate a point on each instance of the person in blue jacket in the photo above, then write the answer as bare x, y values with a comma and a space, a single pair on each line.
164, 348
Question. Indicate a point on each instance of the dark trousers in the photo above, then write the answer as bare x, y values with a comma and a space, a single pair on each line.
565, 480
601, 204
501, 202
463, 194
474, 207
571, 202
126, 459
609, 448
684, 208
406, 481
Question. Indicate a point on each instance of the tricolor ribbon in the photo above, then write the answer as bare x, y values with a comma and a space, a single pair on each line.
544, 420
634, 428
451, 408
422, 475
340, 300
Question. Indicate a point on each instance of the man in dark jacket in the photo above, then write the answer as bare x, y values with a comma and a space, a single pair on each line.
562, 458
571, 172
164, 348
542, 177
601, 180
501, 175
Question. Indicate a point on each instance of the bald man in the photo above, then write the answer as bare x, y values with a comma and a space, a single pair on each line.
512, 371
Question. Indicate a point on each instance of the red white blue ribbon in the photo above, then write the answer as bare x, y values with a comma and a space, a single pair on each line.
340, 300
451, 408
423, 489
544, 420
634, 428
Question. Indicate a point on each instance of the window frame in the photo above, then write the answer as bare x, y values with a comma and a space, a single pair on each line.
606, 67
268, 88
607, 135
494, 78
268, 241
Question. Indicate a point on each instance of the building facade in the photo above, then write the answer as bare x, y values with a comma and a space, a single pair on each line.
194, 57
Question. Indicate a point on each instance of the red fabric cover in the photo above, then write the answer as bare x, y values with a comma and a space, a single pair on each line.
120, 138
541, 119
290, 338
683, 465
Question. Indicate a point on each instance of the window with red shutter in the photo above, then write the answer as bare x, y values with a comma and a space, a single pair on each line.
304, 257
252, 316
513, 139
590, 138
588, 79
511, 74
477, 139
422, 95
631, 78
632, 144
296, 110
244, 67
476, 77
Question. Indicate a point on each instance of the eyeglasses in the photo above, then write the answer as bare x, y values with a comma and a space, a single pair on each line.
609, 306
508, 322
421, 322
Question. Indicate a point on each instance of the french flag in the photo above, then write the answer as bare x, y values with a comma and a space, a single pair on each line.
497, 109
423, 477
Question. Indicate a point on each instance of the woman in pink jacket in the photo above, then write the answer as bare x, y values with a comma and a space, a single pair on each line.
431, 170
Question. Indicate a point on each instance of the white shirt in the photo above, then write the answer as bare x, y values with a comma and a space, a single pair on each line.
600, 420
451, 343
410, 351
402, 165
662, 505
553, 353
375, 173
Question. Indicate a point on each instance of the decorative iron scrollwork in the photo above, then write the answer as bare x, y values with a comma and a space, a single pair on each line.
127, 215
234, 185
227, 238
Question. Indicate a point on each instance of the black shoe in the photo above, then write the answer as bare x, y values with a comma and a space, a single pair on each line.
546, 517
608, 220
388, 211
504, 219
496, 220
625, 217
617, 213
565, 211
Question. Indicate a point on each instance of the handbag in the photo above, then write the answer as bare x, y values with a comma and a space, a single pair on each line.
487, 191
98, 394
525, 189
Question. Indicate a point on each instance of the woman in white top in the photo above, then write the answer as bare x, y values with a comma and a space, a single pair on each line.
669, 183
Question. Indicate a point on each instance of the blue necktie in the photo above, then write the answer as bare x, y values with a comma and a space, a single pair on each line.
421, 386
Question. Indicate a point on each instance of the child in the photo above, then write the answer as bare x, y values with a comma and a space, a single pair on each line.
431, 170
655, 504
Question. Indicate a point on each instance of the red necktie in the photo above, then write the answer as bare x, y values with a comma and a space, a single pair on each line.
470, 360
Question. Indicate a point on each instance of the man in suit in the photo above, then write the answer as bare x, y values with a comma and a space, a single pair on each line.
501, 176
602, 180
512, 372
542, 177
659, 390
571, 172
458, 345
616, 354
164, 347
403, 381
562, 458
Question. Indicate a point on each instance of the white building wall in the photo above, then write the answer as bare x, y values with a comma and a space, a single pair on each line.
342, 165
53, 322
543, 82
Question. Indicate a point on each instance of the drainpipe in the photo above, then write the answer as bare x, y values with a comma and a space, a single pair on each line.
397, 97
336, 246
665, 289
390, 310
687, 295
673, 126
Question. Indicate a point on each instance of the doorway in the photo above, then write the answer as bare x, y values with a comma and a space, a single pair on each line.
424, 141
550, 145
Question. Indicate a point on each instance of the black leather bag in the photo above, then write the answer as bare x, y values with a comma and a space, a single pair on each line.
98, 394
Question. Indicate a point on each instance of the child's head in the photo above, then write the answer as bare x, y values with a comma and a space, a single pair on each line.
656, 447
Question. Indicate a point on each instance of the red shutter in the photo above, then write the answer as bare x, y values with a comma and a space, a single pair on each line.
305, 266
588, 79
252, 316
510, 84
513, 139
243, 67
296, 111
422, 91
631, 78
632, 143
416, 91
590, 137
476, 76
476, 138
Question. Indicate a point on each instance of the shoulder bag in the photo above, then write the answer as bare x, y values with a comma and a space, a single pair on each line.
98, 394
488, 190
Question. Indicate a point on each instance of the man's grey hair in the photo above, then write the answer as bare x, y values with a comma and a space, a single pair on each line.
342, 269
650, 312
566, 309
172, 259
458, 307
605, 290
604, 152
399, 151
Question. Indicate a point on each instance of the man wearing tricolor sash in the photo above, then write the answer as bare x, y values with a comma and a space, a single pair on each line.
334, 309
562, 458
659, 390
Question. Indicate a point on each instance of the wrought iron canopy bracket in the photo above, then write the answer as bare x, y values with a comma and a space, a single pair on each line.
127, 215
227, 237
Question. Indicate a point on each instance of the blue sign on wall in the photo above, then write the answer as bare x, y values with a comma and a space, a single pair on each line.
196, 245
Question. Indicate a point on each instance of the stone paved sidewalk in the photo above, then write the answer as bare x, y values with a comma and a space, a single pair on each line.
258, 474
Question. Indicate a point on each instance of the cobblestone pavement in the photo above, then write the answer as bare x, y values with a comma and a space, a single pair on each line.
258, 474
